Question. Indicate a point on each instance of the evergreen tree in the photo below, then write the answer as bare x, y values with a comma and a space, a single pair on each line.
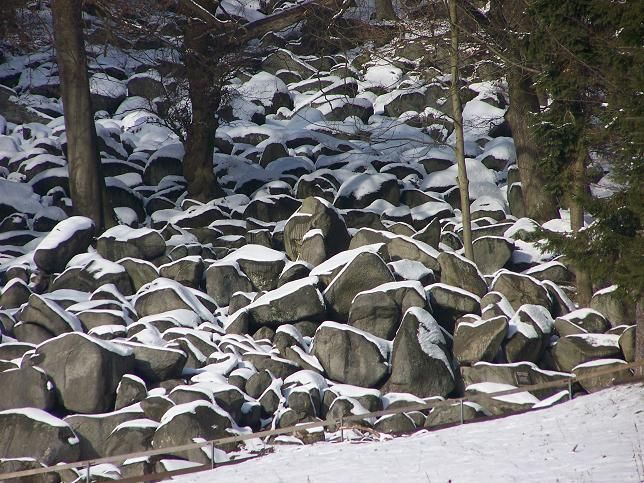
592, 57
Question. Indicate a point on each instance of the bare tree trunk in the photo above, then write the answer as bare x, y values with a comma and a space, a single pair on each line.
579, 186
539, 204
385, 10
463, 183
86, 182
639, 335
205, 99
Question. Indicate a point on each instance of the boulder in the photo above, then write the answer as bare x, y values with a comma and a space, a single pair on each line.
140, 272
292, 302
450, 303
379, 311
588, 320
122, 241
528, 334
260, 264
131, 390
627, 343
164, 295
49, 315
319, 215
572, 350
500, 405
405, 248
93, 430
131, 437
617, 310
460, 272
521, 289
362, 189
85, 371
479, 341
33, 433
394, 424
419, 363
155, 364
491, 253
68, 238
590, 375
351, 356
28, 387
447, 414
223, 279
15, 293
365, 271
188, 271
184, 422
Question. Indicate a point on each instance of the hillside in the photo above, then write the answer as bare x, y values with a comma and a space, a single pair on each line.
324, 275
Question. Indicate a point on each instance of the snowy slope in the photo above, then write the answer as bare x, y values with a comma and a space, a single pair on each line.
595, 438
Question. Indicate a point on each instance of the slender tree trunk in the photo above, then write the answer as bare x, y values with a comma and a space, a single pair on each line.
539, 204
576, 205
639, 335
385, 10
86, 182
205, 99
457, 109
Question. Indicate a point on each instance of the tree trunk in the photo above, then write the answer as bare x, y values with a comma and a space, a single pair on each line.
385, 10
576, 205
639, 335
86, 183
205, 99
463, 183
539, 204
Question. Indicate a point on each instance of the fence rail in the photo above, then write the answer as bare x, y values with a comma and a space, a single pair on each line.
566, 382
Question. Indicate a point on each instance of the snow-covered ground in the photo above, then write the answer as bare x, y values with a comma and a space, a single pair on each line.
595, 438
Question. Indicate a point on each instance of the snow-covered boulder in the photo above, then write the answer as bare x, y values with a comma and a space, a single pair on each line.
37, 434
491, 253
521, 289
319, 215
379, 311
463, 273
593, 383
93, 430
351, 356
131, 390
29, 387
292, 302
364, 272
572, 350
420, 364
122, 241
479, 340
153, 363
98, 369
68, 238
617, 310
48, 315
360, 190
184, 422
449, 303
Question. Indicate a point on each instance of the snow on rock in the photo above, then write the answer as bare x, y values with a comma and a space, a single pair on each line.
68, 238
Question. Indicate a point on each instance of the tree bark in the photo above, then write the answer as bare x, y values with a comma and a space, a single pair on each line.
385, 10
576, 205
639, 335
539, 204
463, 183
205, 99
86, 182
